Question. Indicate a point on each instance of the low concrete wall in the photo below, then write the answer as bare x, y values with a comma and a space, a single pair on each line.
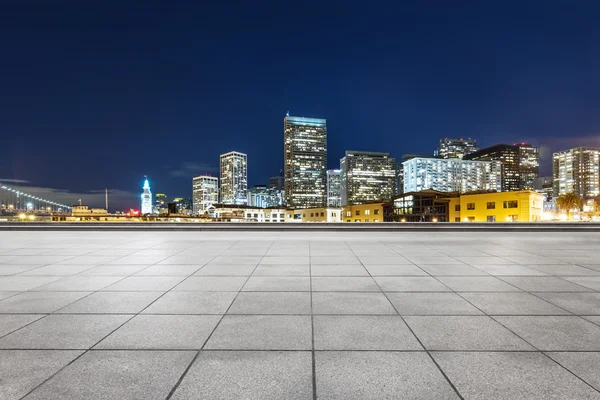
333, 227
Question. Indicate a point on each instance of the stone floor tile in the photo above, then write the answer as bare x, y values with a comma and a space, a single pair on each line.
344, 284
351, 303
145, 283
379, 375
477, 284
268, 375
169, 270
583, 364
262, 332
592, 282
281, 270
79, 283
277, 284
354, 332
510, 270
484, 260
338, 270
192, 303
22, 370
232, 260
226, 270
555, 333
10, 323
22, 283
285, 260
168, 332
39, 302
511, 376
211, 284
8, 269
271, 303
432, 260
333, 260
6, 295
426, 303
111, 303
395, 270
123, 375
565, 270
113, 270
544, 284
464, 333
410, 284
57, 270
63, 332
451, 269
577, 303
384, 260
511, 303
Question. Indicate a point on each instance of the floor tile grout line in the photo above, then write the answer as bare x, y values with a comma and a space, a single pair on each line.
312, 326
454, 388
569, 371
183, 375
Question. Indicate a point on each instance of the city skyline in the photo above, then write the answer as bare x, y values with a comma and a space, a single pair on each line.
166, 103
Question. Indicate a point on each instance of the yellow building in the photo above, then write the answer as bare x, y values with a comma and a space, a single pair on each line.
317, 214
518, 206
368, 212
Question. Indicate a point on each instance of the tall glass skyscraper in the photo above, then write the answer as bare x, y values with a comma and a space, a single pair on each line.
234, 178
577, 170
456, 148
367, 176
334, 182
305, 161
146, 199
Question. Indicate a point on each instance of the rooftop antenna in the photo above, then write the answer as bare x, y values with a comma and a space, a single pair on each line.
79, 200
106, 194
287, 114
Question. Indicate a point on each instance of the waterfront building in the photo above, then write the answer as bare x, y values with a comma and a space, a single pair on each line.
160, 203
455, 148
146, 199
317, 214
234, 178
205, 193
577, 170
520, 164
305, 161
367, 176
451, 175
334, 193
367, 212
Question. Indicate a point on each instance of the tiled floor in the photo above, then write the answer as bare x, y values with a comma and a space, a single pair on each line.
299, 315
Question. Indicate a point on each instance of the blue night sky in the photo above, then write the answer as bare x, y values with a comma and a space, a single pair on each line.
99, 95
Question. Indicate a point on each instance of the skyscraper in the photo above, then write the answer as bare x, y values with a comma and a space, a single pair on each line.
305, 161
451, 175
160, 203
577, 170
455, 148
276, 182
146, 199
205, 192
367, 176
334, 182
520, 164
234, 178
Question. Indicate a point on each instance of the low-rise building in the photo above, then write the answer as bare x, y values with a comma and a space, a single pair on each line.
317, 214
368, 212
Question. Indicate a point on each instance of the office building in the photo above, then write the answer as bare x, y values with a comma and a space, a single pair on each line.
205, 193
183, 206
234, 178
276, 182
545, 186
451, 175
400, 170
146, 199
455, 148
520, 164
265, 197
367, 176
334, 182
577, 170
305, 161
160, 203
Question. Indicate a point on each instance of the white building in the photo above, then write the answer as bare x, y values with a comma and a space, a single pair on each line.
577, 170
205, 192
234, 178
334, 185
451, 175
146, 199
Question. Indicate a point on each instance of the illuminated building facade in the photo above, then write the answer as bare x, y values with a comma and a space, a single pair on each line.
456, 148
205, 193
305, 161
160, 203
334, 182
146, 199
367, 176
520, 164
276, 182
234, 178
451, 175
577, 170
265, 197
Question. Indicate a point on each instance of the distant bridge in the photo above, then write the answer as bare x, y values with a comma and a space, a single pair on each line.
15, 200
